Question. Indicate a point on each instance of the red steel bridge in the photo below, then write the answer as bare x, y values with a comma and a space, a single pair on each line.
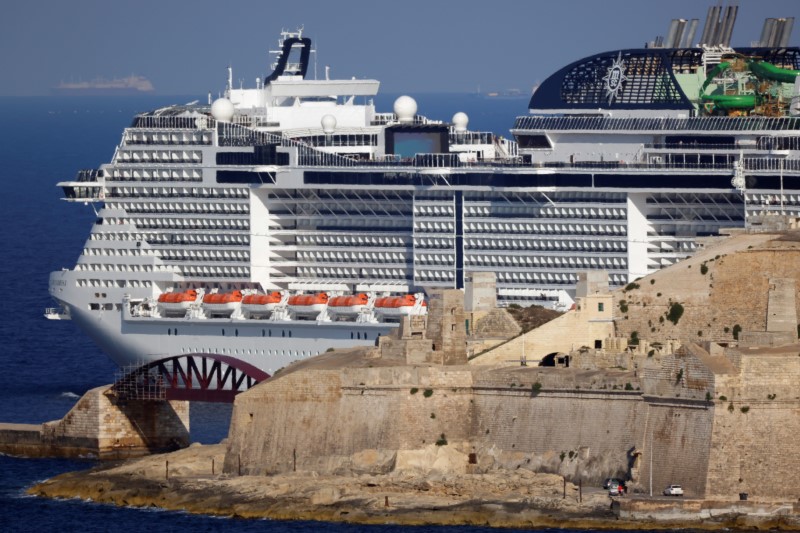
201, 377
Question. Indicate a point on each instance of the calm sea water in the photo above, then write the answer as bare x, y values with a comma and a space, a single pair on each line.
46, 365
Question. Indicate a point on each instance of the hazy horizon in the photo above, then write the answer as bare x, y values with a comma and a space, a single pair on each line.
430, 46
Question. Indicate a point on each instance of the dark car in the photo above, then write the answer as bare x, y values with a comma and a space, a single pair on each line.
609, 482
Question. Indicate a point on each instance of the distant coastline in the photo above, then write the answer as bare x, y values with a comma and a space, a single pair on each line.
102, 87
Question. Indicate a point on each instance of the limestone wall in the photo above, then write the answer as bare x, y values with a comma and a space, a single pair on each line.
754, 437
98, 423
675, 445
317, 419
583, 326
101, 426
584, 435
727, 290
718, 423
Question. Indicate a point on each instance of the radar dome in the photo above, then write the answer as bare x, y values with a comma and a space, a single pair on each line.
460, 121
222, 109
328, 123
405, 108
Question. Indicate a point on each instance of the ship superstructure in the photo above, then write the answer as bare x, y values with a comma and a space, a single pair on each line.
299, 187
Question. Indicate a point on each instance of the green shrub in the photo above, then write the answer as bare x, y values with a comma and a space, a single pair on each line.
562, 455
675, 313
651, 353
623, 306
723, 398
634, 340
427, 393
414, 390
679, 376
703, 269
736, 330
730, 407
708, 396
630, 287
441, 441
514, 306
744, 409
329, 350
433, 415
652, 282
628, 386
536, 388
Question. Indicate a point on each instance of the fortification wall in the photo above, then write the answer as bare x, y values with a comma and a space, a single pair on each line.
754, 436
582, 435
316, 420
675, 445
99, 424
583, 326
727, 290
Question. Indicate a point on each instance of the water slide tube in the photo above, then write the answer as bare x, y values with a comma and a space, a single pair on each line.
723, 101
771, 72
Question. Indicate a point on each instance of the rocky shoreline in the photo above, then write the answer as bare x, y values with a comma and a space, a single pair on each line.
184, 481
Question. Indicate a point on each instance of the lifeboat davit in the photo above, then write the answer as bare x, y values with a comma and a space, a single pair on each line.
308, 304
222, 303
348, 305
399, 305
261, 304
176, 302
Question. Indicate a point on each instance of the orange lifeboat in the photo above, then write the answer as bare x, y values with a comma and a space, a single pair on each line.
348, 305
261, 304
172, 303
222, 303
306, 304
399, 305
178, 297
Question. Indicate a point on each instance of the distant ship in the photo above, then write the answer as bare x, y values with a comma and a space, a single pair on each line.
101, 86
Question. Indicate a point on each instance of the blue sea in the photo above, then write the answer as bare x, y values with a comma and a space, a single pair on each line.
46, 365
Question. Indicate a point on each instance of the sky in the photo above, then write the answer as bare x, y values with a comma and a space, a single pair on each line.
184, 47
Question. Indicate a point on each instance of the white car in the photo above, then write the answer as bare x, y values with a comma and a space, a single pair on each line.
673, 490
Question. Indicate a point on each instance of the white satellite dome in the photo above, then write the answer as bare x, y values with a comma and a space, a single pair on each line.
222, 109
328, 123
405, 108
460, 121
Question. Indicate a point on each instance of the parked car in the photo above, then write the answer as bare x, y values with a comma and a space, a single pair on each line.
616, 489
673, 490
612, 481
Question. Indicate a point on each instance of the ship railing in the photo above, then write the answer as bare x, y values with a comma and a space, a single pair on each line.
727, 124
382, 119
471, 137
697, 146
181, 123
771, 164
88, 175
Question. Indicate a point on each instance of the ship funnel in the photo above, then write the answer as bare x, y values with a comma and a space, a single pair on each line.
719, 26
680, 35
776, 32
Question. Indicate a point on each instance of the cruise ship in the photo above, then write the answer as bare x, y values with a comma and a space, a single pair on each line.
279, 221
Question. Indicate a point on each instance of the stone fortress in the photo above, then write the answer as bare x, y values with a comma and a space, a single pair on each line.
687, 376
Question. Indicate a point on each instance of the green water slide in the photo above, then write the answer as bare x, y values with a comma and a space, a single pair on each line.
771, 72
725, 101
761, 70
